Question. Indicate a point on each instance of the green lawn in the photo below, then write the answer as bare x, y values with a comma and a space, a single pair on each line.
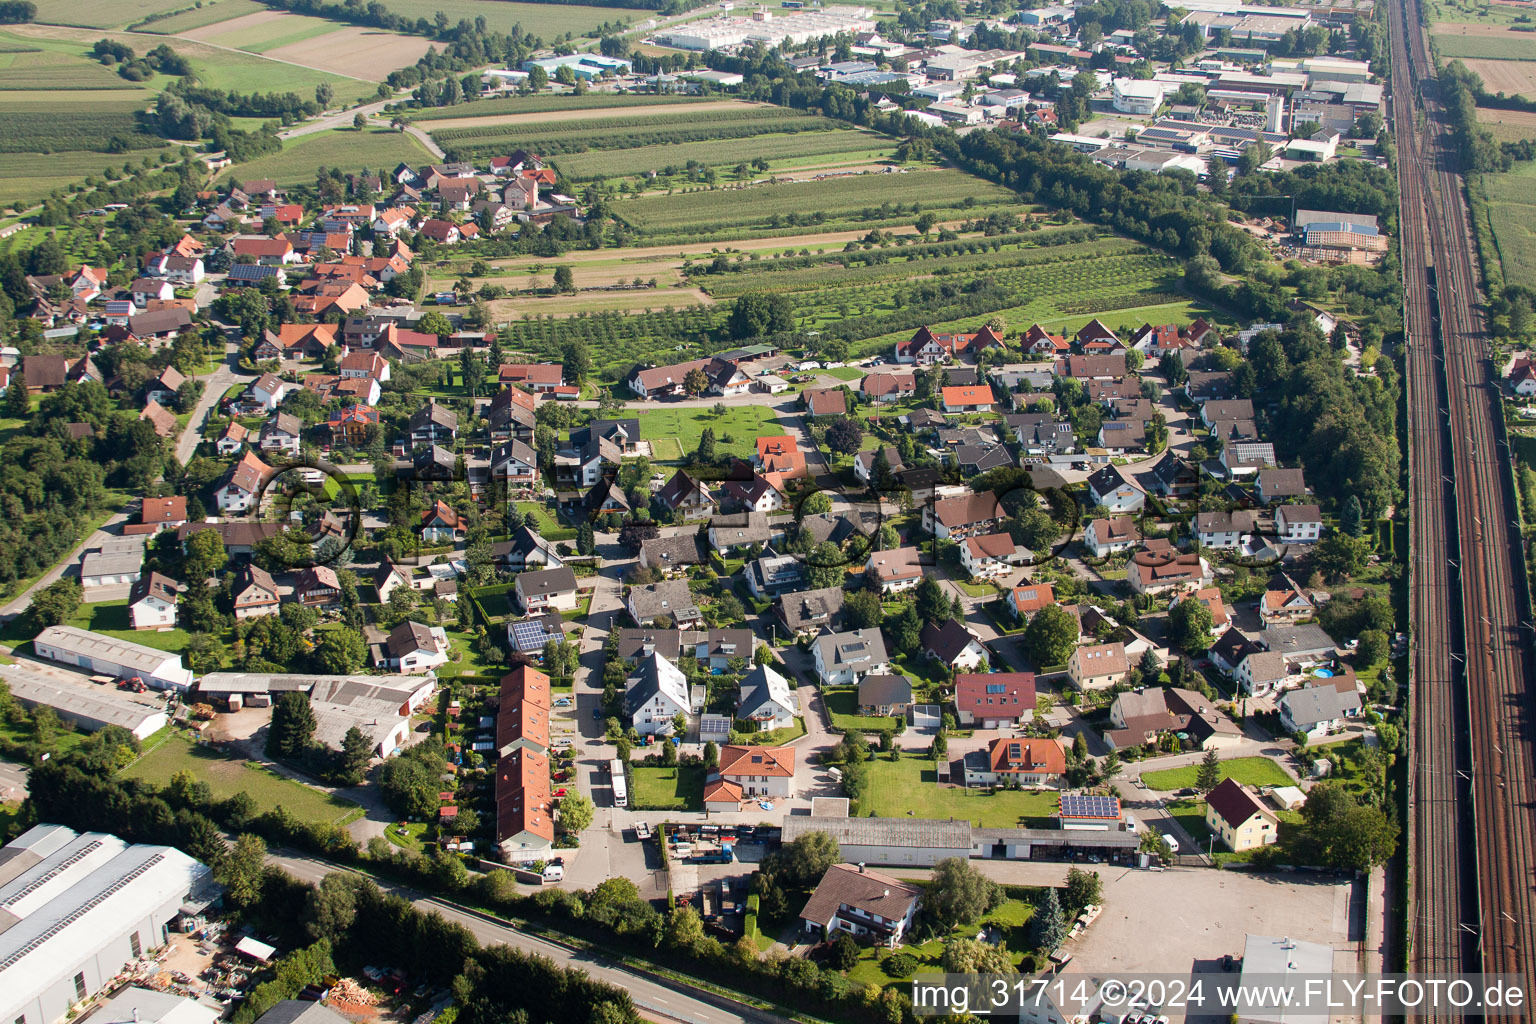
668, 789
909, 786
111, 618
844, 372
1250, 771
772, 737
736, 432
1012, 918
844, 706
345, 148
544, 522
228, 776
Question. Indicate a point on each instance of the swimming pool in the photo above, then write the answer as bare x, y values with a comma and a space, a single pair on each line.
1323, 673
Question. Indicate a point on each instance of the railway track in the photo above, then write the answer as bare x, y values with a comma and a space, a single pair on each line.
1472, 787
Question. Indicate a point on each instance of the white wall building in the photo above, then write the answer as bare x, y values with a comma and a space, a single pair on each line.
1137, 96
107, 655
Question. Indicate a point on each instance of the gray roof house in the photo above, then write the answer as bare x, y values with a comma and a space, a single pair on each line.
810, 610
1317, 710
766, 698
671, 599
845, 658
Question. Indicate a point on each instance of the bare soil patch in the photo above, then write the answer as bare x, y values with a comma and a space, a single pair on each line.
244, 23
1511, 77
587, 114
355, 52
1456, 28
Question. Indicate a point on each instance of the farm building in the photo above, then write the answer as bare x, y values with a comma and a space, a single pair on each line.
381, 706
123, 659
86, 709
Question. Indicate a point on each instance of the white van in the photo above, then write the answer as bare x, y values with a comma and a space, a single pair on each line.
554, 872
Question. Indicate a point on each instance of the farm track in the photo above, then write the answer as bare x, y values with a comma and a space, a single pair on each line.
1471, 783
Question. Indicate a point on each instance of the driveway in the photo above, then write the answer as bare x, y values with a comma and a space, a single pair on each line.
214, 386
110, 530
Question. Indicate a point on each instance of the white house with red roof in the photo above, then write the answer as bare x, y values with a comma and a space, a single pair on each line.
994, 700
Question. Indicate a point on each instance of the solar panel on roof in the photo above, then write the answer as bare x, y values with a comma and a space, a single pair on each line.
1089, 805
529, 636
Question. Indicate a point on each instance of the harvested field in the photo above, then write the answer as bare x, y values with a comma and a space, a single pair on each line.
1511, 77
1508, 46
101, 13
355, 52
543, 121
1508, 125
1457, 28
211, 12
238, 26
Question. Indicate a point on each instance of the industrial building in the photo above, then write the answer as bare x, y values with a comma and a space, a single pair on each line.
76, 909
1137, 96
135, 1005
918, 842
768, 28
87, 709
107, 655
1270, 961
381, 706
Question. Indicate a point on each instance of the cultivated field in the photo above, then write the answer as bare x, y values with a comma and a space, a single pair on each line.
355, 52
26, 178
211, 12
1440, 12
779, 150
43, 69
1512, 214
476, 116
1511, 77
102, 13
259, 30
1508, 125
547, 103
760, 206
544, 20
347, 149
1504, 46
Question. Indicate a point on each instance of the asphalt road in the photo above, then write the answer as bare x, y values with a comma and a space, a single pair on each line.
214, 386
13, 783
653, 997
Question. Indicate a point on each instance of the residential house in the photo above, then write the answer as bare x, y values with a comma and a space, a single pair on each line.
440, 524
761, 493
670, 556
584, 464
1174, 477
992, 554
232, 439
842, 659
977, 398
654, 696
282, 433
862, 903
994, 700
1299, 524
1272, 485
152, 601
739, 530
159, 417
1110, 488
510, 414
1237, 817
686, 498
751, 773
163, 513
965, 516
1037, 763
1284, 603
433, 424
888, 387
1029, 598
44, 373
364, 364
780, 455
885, 695
145, 288
952, 643
536, 377
1096, 339
1221, 531
864, 463
974, 460
268, 391
921, 421
546, 589
515, 463
1159, 568
1123, 437
765, 697
412, 647
622, 434
241, 486
1315, 711
1098, 666
254, 592
772, 575
1140, 717
526, 550
668, 600
318, 587
1245, 458
1211, 598
1104, 537
1040, 342
1041, 433
1229, 650
1091, 367
267, 252
349, 426
1261, 673
895, 570
387, 578
810, 611
825, 402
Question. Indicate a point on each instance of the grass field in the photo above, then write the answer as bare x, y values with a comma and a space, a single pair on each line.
344, 148
742, 424
1510, 46
638, 127
1476, 13
936, 190
111, 618
102, 13
1508, 125
228, 776
844, 708
210, 13
1250, 771
548, 103
668, 789
908, 786
45, 69
1511, 201
546, 20
28, 177
264, 30
775, 148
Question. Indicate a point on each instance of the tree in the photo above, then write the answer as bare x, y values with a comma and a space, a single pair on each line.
333, 908
54, 604
1340, 556
433, 322
842, 952
1051, 636
1035, 529
244, 869
1352, 517
960, 894
340, 652
826, 566
685, 930
18, 404
862, 609
359, 122
1156, 844
756, 314
292, 730
1049, 923
845, 435
804, 861
762, 656
565, 281
1151, 666
967, 956
1337, 831
1189, 625
1208, 777
816, 503
324, 94
1371, 649
538, 78
1084, 889
695, 381
356, 750
410, 783
932, 602
578, 361
576, 813
711, 755
706, 454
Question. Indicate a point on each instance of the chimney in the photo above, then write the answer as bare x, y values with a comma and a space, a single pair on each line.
886, 892
861, 867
